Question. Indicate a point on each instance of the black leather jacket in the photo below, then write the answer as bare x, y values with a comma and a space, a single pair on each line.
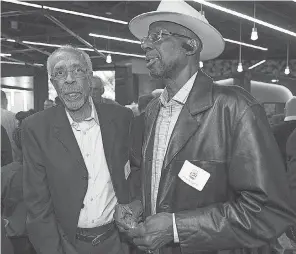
245, 204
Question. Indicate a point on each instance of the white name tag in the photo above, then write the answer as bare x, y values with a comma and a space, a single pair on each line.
194, 176
127, 169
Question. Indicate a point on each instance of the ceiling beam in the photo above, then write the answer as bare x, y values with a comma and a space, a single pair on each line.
61, 25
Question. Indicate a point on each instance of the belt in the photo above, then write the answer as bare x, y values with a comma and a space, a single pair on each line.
95, 235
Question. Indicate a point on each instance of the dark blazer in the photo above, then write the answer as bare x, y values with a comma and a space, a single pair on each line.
55, 176
6, 151
281, 133
245, 203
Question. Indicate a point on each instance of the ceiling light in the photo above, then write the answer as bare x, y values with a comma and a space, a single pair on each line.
7, 62
254, 35
138, 42
257, 64
23, 3
201, 64
113, 38
240, 15
287, 70
274, 80
240, 67
85, 49
67, 11
246, 44
108, 59
3, 54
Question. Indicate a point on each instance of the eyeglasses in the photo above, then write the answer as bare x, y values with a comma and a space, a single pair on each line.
61, 74
157, 36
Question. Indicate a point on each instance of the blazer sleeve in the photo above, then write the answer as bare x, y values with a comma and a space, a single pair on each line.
41, 222
261, 207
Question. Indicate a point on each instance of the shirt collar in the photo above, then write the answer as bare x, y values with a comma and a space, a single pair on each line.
93, 115
182, 95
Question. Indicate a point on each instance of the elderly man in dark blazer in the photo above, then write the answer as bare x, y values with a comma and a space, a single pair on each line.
76, 164
213, 180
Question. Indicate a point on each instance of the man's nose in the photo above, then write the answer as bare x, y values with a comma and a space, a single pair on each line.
70, 77
146, 45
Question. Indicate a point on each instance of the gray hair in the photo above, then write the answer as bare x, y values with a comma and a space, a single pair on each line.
69, 48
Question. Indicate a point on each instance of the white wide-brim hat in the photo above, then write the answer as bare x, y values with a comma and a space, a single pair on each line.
177, 11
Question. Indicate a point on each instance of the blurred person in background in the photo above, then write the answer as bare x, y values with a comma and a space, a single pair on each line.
12, 202
291, 169
48, 103
9, 122
6, 152
283, 130
97, 91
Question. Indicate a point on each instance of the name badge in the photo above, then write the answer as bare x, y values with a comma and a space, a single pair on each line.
194, 176
127, 169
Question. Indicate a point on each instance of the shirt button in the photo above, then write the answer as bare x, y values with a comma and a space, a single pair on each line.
87, 154
91, 199
92, 221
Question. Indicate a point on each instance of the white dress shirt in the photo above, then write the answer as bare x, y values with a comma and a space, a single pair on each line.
100, 200
166, 121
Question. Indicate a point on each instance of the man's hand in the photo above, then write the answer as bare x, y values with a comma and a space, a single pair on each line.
154, 233
127, 216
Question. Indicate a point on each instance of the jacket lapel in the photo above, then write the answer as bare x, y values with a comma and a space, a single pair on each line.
199, 100
105, 116
63, 132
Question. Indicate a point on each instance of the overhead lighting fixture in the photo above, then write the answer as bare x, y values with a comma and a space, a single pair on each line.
8, 62
201, 64
243, 16
85, 49
3, 54
240, 66
138, 42
109, 58
287, 70
67, 11
257, 64
274, 80
246, 44
254, 35
114, 38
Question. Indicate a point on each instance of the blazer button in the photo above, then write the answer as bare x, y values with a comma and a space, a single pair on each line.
85, 177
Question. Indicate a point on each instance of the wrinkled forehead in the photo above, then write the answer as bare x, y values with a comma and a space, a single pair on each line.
172, 28
67, 58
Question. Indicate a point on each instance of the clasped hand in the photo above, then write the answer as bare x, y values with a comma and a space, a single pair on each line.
153, 233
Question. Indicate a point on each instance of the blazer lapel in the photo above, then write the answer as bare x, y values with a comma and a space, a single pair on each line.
63, 132
105, 116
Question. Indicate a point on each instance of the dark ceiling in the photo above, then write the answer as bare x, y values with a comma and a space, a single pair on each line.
27, 23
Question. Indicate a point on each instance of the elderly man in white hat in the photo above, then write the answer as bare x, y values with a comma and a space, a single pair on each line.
213, 180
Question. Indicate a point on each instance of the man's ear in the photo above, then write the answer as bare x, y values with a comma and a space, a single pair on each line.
192, 46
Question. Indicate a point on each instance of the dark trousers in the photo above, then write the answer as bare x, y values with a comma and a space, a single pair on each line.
112, 245
22, 245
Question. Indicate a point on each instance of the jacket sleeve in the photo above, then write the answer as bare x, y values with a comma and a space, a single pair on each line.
41, 222
261, 207
6, 152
